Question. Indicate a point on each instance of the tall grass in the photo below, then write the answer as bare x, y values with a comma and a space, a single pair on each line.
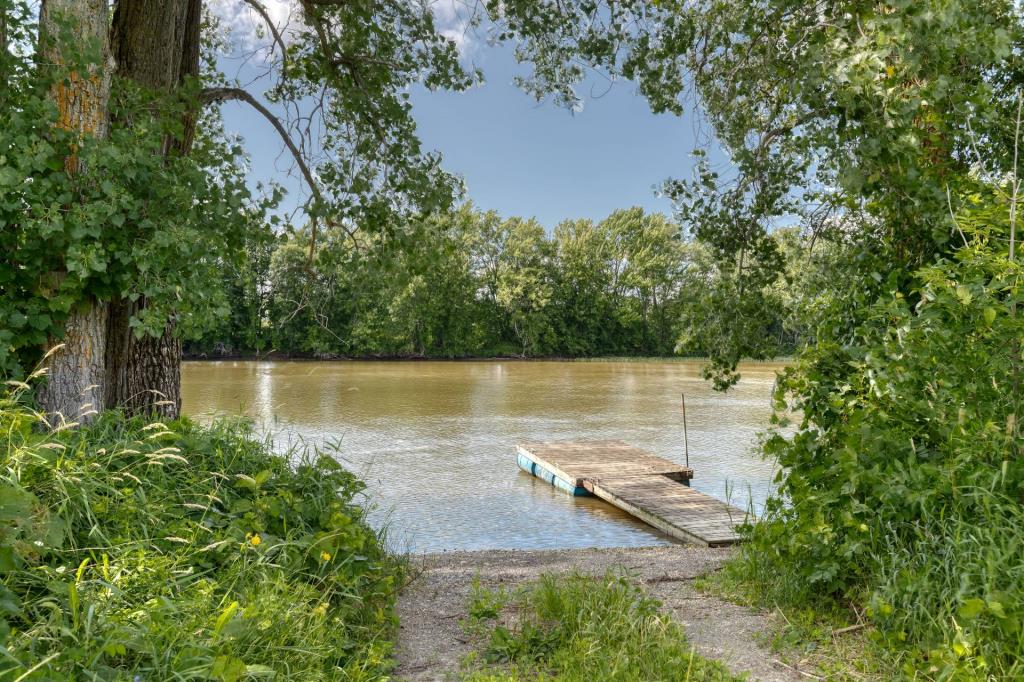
580, 628
954, 582
176, 551
942, 597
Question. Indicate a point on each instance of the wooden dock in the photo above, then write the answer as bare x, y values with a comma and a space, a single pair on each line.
651, 488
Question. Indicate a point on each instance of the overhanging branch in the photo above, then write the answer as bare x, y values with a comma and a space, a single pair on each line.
210, 95
262, 11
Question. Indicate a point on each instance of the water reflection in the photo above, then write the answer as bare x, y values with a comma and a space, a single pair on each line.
435, 440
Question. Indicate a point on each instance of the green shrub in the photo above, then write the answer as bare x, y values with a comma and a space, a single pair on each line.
901, 490
182, 551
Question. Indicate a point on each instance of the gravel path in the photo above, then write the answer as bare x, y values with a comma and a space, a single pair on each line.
431, 641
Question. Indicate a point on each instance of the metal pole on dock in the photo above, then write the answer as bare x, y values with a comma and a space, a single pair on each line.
686, 438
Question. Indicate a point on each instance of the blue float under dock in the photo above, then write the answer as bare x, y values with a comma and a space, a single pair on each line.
531, 467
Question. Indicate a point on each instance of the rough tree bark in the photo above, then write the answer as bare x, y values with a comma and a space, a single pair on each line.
156, 44
75, 385
145, 373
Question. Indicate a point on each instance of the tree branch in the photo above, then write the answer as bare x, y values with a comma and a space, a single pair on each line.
767, 138
210, 95
313, 18
262, 11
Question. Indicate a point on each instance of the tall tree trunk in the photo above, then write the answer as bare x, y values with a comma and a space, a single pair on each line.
76, 372
155, 44
145, 372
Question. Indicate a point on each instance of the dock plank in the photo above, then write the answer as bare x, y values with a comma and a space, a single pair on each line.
675, 509
578, 461
651, 488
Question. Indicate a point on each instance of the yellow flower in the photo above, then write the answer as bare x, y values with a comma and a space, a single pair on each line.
255, 540
326, 556
320, 610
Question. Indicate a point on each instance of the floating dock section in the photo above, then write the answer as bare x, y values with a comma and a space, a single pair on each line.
651, 488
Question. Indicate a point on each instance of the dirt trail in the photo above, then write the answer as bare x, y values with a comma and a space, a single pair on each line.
431, 641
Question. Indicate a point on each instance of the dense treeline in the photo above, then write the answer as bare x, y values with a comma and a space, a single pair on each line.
470, 283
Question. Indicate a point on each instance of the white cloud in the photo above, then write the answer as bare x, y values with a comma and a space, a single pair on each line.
454, 20
247, 28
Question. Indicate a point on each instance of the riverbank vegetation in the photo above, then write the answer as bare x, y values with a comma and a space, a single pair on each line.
473, 284
892, 132
914, 514
178, 551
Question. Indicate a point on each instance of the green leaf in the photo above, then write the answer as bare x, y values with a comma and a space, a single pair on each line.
8, 559
114, 649
256, 670
9, 602
245, 481
40, 321
224, 617
15, 503
227, 669
972, 608
8, 176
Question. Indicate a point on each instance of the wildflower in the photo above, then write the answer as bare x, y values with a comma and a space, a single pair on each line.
255, 540
326, 556
320, 610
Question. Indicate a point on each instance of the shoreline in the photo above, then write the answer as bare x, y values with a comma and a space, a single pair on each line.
305, 357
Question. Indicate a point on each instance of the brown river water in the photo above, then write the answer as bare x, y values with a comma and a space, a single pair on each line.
435, 441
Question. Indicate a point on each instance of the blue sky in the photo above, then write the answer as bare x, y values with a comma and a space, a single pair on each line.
520, 157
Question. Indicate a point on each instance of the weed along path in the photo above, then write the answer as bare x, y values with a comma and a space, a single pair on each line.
441, 635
